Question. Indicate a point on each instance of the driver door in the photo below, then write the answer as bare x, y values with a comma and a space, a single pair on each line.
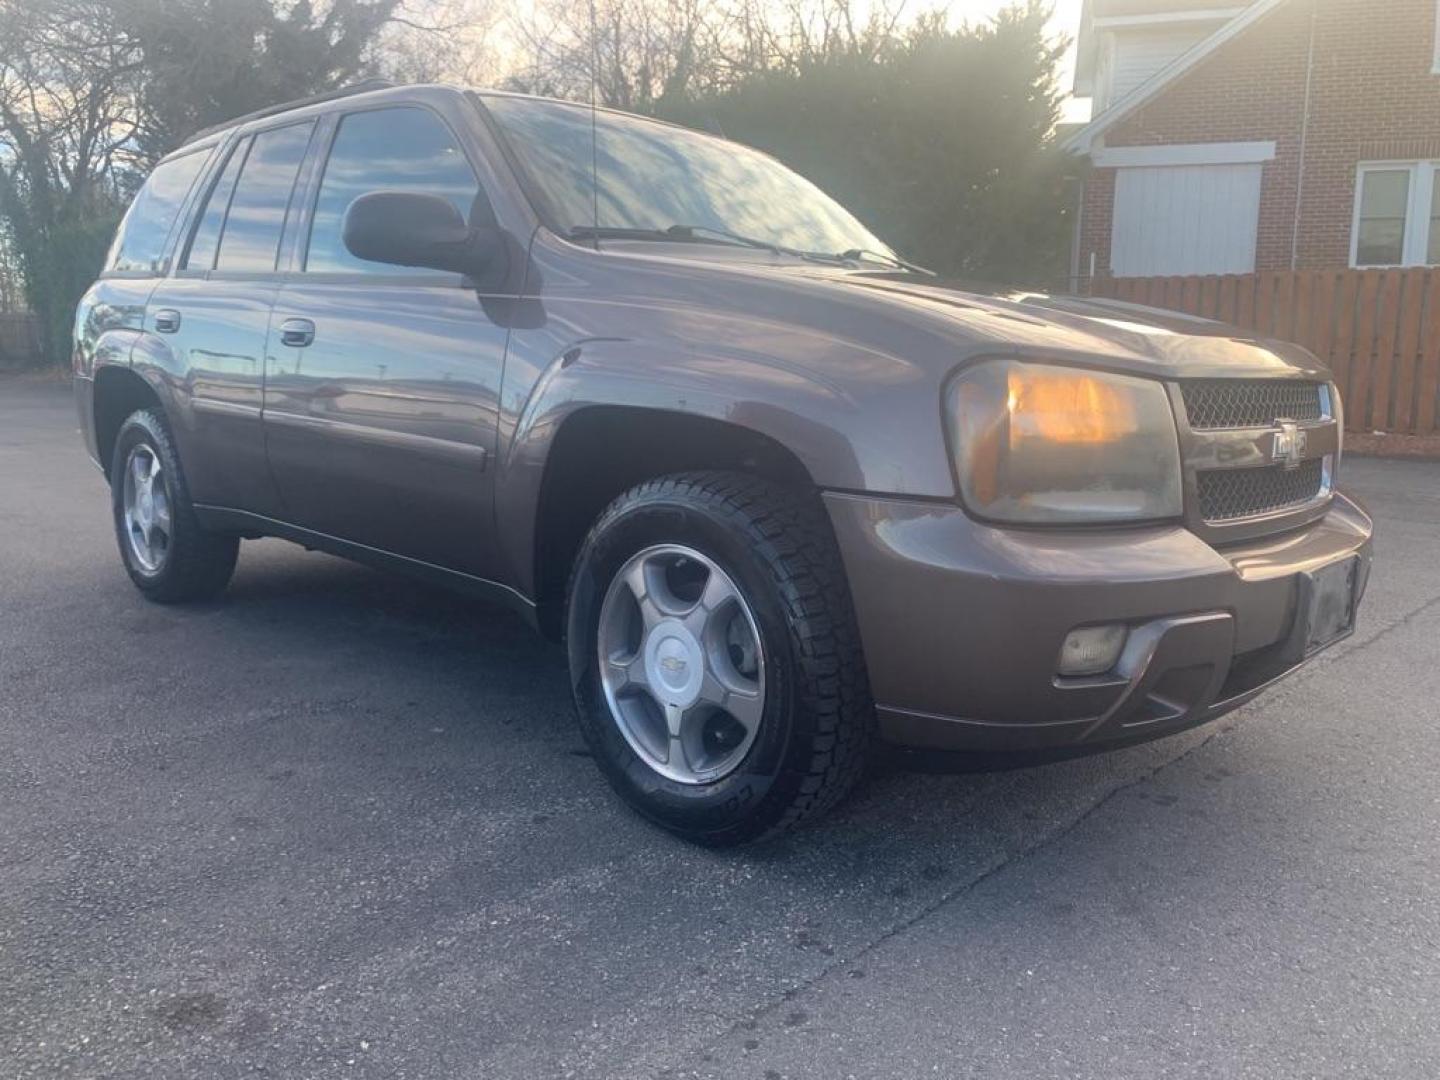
382, 382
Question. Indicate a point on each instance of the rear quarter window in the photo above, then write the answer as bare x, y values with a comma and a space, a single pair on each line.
139, 243
206, 241
255, 220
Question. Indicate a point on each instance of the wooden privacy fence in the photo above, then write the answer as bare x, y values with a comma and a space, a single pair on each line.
19, 339
1377, 330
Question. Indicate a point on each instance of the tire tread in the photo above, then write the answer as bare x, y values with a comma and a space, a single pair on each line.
792, 537
201, 562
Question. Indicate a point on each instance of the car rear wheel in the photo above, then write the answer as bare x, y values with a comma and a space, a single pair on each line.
713, 653
168, 556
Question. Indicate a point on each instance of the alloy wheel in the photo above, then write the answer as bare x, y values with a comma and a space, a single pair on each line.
145, 504
681, 664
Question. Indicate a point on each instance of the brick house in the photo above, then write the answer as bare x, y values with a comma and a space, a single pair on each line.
1231, 136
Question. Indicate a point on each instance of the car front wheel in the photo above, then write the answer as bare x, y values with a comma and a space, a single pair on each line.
716, 666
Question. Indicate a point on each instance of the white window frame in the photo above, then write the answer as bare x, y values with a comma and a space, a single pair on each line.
1435, 67
1198, 15
1416, 248
1234, 153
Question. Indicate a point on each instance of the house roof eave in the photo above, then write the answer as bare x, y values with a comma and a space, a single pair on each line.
1084, 141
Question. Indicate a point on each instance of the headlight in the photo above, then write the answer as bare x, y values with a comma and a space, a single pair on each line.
1042, 444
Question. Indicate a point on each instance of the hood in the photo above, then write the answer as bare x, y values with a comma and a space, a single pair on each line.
1127, 336
980, 320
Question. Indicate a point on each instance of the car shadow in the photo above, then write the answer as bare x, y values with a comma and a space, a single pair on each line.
325, 595
473, 651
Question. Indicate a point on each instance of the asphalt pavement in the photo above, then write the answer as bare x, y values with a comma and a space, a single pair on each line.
341, 825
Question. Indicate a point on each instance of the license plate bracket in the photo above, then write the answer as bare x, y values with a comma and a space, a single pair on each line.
1328, 609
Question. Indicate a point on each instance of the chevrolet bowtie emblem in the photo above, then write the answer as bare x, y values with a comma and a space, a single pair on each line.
1288, 447
673, 664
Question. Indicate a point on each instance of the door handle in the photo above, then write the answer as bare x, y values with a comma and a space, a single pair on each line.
297, 333
167, 321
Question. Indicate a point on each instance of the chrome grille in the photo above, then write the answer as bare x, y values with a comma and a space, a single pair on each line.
1230, 494
1211, 404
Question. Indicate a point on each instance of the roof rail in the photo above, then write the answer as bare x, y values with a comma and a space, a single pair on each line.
362, 87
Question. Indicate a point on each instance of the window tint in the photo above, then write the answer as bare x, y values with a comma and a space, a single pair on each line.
206, 240
140, 240
404, 149
1384, 205
256, 218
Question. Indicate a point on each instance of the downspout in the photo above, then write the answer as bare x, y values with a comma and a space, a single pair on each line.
1304, 140
1076, 239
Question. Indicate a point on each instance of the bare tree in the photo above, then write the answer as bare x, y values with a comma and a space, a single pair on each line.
93, 91
69, 84
454, 41
632, 52
639, 53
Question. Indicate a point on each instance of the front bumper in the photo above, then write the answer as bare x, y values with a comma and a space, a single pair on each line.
962, 622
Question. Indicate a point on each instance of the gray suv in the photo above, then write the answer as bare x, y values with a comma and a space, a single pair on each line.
780, 493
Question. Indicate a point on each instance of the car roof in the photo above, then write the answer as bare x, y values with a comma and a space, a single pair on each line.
365, 87
380, 90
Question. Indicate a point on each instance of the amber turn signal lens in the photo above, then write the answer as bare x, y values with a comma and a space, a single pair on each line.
1049, 444
1068, 408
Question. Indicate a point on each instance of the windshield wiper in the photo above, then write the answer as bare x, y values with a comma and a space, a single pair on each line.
692, 232
675, 233
860, 254
616, 232
695, 233
700, 232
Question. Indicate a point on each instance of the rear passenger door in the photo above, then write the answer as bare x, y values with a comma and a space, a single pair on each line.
214, 313
382, 383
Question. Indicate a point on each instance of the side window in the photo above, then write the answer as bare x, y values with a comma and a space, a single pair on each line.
206, 240
401, 149
251, 237
140, 241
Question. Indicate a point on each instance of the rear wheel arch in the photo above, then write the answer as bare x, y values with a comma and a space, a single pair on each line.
119, 392
148, 494
601, 451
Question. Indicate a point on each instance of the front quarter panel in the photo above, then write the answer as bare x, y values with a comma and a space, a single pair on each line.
857, 416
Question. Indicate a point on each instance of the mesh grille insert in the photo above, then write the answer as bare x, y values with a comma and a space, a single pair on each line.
1233, 403
1229, 494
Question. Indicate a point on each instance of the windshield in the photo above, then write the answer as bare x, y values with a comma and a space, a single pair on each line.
654, 176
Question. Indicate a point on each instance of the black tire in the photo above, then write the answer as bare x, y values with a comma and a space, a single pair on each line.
818, 720
197, 564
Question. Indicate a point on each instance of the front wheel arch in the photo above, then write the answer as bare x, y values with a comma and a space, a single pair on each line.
600, 452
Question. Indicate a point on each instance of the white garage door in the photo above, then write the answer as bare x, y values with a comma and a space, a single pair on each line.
1185, 219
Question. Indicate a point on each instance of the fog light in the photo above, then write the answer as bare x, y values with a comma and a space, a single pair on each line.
1091, 650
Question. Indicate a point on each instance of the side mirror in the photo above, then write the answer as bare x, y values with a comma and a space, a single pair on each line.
406, 228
